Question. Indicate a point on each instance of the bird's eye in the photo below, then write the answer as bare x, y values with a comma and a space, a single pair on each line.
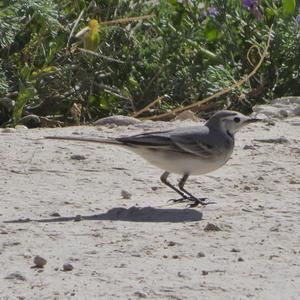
237, 120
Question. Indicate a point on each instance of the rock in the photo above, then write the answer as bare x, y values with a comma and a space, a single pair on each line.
171, 244
200, 254
77, 218
279, 140
8, 130
16, 275
125, 194
140, 294
67, 267
249, 147
55, 214
39, 261
21, 127
240, 259
279, 108
235, 250
247, 188
211, 227
30, 121
186, 115
117, 120
77, 157
204, 272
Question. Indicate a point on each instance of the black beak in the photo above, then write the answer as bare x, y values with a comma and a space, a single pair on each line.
252, 120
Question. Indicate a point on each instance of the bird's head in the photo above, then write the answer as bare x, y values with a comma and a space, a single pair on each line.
229, 121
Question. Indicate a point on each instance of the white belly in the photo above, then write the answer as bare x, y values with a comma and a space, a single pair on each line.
181, 164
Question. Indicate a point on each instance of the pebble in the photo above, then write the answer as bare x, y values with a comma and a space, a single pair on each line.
39, 261
280, 140
235, 250
200, 254
55, 214
140, 294
116, 120
211, 227
67, 267
8, 130
125, 194
249, 147
77, 218
21, 127
77, 157
240, 259
247, 188
16, 275
171, 243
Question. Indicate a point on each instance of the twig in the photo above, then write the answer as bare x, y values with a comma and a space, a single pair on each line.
126, 20
74, 27
147, 107
248, 54
220, 93
102, 56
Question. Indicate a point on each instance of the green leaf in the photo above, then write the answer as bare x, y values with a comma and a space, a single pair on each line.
288, 7
25, 94
211, 31
212, 35
25, 72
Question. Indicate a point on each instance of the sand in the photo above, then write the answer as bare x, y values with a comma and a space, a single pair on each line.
99, 216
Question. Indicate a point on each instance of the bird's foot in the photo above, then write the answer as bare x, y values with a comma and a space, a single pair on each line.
195, 201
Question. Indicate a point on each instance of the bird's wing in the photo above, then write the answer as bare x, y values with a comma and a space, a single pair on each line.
195, 140
154, 139
188, 140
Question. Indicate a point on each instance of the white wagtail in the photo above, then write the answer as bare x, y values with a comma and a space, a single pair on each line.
186, 151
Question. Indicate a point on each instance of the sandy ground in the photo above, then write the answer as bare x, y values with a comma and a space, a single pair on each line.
64, 201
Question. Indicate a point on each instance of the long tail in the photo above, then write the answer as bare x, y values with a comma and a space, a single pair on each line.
87, 139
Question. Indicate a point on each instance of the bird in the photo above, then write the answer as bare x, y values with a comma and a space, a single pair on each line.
192, 150
90, 35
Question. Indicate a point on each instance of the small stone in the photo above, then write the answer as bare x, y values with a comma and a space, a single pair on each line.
249, 147
55, 214
171, 243
125, 194
77, 157
39, 261
16, 275
175, 256
247, 188
77, 218
21, 127
165, 256
235, 250
204, 272
260, 178
8, 130
200, 254
240, 259
140, 294
186, 115
67, 267
211, 227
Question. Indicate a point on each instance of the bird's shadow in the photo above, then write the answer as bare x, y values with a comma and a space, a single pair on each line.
132, 214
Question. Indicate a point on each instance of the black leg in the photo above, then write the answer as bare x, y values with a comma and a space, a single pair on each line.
185, 195
164, 180
196, 200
